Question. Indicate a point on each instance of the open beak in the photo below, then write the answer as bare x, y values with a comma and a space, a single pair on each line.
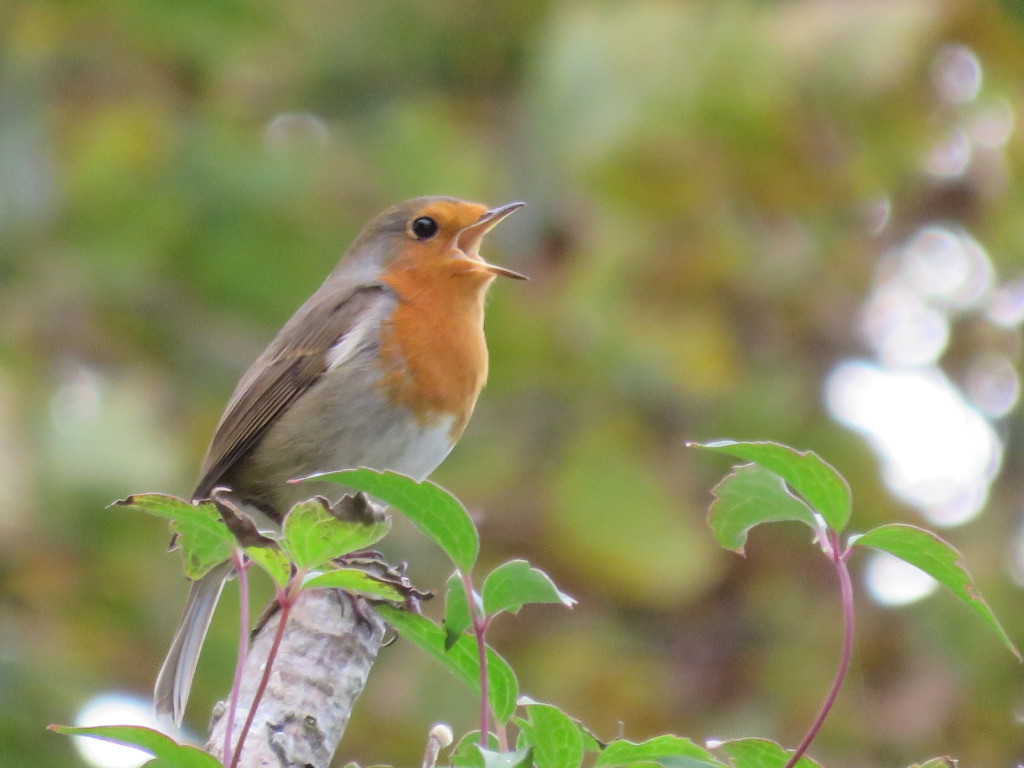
469, 239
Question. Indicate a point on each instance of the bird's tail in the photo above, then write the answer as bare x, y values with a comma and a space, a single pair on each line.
174, 681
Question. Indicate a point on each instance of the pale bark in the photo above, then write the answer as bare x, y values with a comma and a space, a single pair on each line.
325, 657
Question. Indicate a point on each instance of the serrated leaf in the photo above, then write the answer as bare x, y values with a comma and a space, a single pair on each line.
940, 560
353, 580
457, 618
313, 535
273, 561
557, 741
516, 583
434, 511
936, 762
203, 538
461, 658
747, 497
242, 526
159, 504
148, 740
817, 481
671, 751
760, 753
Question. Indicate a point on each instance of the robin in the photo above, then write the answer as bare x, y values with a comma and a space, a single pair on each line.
380, 368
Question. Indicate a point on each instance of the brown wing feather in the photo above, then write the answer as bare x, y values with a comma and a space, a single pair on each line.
289, 367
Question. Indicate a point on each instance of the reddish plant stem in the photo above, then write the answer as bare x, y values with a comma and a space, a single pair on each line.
499, 730
479, 631
242, 566
838, 557
286, 599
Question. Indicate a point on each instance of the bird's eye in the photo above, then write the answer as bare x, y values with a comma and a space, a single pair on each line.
424, 228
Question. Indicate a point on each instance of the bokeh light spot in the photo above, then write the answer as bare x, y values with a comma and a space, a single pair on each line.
949, 157
290, 130
993, 384
948, 266
938, 453
993, 125
77, 400
1006, 306
891, 581
902, 328
957, 73
113, 709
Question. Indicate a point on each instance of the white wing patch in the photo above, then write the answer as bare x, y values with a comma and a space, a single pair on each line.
351, 341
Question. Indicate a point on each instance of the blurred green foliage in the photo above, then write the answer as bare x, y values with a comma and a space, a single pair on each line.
702, 228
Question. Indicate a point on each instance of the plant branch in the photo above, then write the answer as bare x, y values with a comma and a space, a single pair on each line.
324, 653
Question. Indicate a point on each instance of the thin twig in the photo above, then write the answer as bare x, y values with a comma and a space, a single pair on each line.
242, 566
479, 631
287, 600
838, 558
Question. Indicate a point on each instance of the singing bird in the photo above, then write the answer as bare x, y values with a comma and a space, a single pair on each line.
381, 368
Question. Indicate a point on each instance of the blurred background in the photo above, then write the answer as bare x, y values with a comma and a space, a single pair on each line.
799, 221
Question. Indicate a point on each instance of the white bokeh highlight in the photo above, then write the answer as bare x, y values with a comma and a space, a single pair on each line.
938, 453
113, 709
892, 582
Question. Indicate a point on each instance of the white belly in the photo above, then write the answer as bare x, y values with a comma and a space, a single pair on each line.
415, 452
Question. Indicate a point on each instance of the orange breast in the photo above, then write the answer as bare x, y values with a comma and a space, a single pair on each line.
433, 347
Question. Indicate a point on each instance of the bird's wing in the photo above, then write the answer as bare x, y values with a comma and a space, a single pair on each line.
331, 333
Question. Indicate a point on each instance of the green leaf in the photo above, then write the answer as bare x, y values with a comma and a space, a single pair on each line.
673, 751
941, 561
556, 738
522, 758
204, 539
457, 618
313, 535
468, 757
760, 753
472, 755
514, 584
353, 580
526, 728
162, 747
936, 762
461, 659
273, 561
434, 511
466, 753
817, 482
748, 496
